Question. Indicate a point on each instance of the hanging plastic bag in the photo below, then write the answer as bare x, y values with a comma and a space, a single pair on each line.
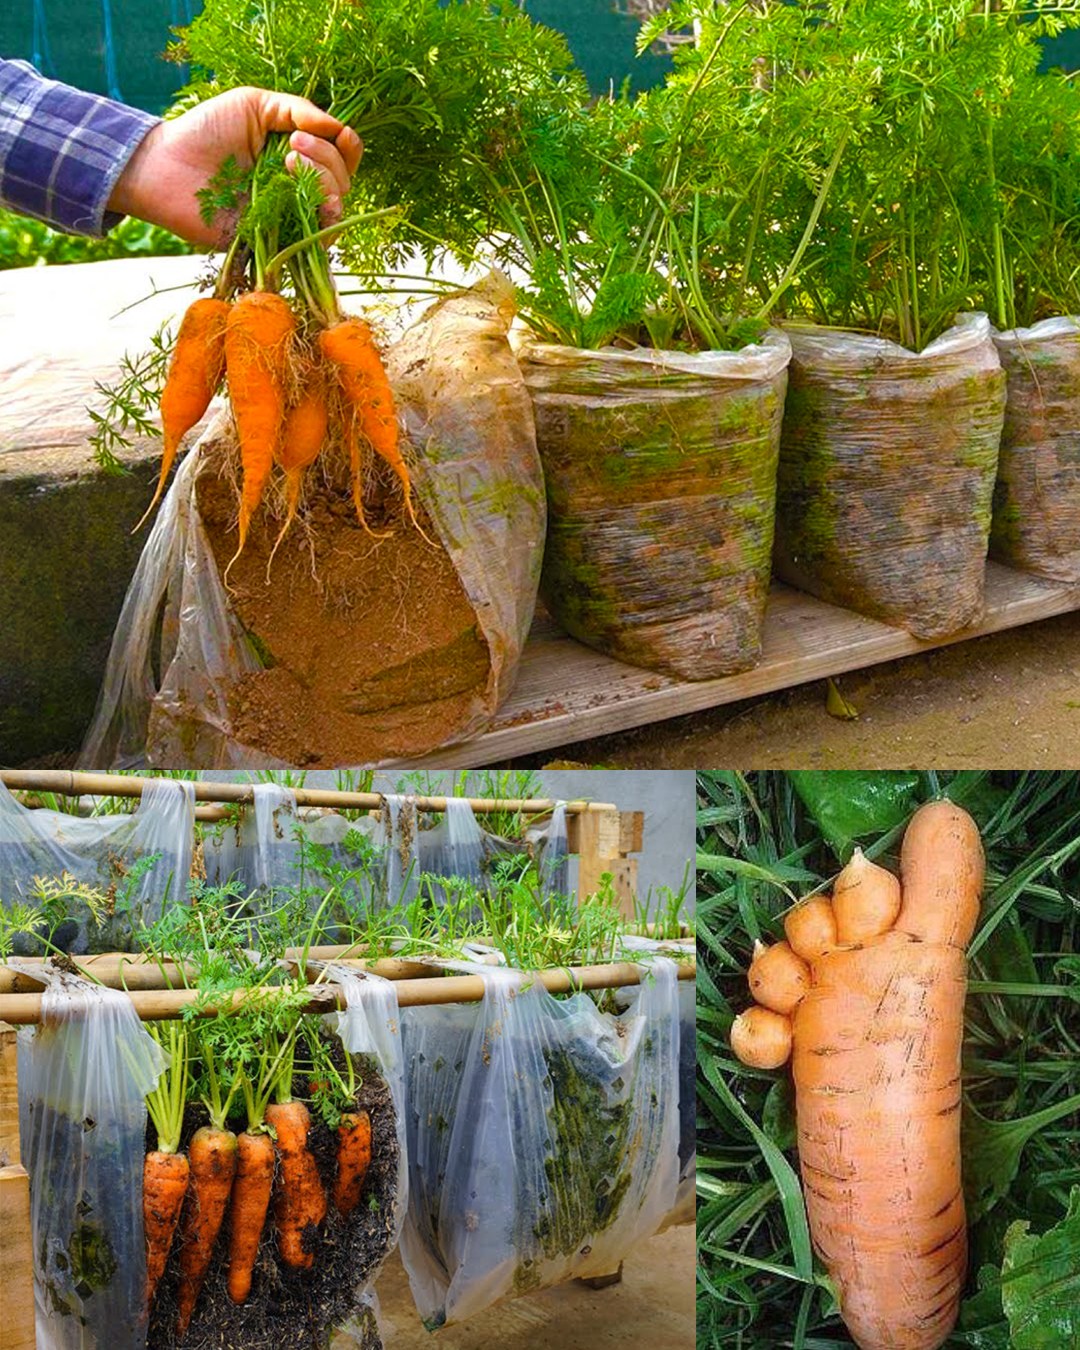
454, 847
887, 466
543, 1137
132, 864
84, 1073
661, 481
476, 472
370, 1028
1036, 524
551, 851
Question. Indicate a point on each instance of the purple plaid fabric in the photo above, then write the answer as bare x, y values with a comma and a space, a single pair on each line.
62, 150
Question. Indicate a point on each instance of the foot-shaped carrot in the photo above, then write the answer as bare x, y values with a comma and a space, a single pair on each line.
868, 991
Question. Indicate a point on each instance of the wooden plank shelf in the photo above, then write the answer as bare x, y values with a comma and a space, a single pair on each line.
566, 692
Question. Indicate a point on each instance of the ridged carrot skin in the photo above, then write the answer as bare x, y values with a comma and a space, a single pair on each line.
251, 1190
877, 1087
196, 367
165, 1184
354, 1159
299, 1198
212, 1157
876, 1046
258, 338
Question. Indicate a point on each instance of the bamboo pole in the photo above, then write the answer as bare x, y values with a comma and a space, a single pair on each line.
139, 973
153, 1005
75, 783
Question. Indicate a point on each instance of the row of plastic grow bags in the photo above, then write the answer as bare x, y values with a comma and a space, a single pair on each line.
861, 472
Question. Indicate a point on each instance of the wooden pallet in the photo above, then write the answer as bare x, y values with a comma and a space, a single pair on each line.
565, 692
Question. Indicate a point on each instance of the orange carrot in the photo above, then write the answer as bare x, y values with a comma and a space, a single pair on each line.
299, 1198
301, 440
876, 1061
250, 1200
212, 1157
195, 370
353, 1159
165, 1183
351, 350
257, 349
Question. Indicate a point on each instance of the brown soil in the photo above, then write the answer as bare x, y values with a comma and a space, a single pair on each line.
371, 646
287, 1308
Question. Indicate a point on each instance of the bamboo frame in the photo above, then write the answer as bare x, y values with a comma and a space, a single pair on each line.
153, 1005
76, 783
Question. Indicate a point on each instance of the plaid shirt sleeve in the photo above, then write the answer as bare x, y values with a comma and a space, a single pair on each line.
62, 150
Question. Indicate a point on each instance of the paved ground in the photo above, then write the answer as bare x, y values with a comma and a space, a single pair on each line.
652, 1307
1011, 701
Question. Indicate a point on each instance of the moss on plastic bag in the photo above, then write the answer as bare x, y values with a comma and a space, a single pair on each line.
887, 467
660, 472
1036, 524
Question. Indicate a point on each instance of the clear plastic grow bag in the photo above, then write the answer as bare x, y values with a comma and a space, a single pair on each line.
453, 849
887, 467
370, 1027
134, 862
1036, 524
474, 467
543, 1137
84, 1073
661, 482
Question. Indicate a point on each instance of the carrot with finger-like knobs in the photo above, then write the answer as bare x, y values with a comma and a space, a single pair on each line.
195, 370
876, 1061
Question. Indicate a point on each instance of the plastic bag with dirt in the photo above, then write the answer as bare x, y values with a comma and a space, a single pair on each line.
356, 642
324, 1304
543, 1137
84, 1073
95, 880
887, 467
661, 482
1036, 524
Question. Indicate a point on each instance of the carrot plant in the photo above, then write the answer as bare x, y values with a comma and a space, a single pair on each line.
768, 839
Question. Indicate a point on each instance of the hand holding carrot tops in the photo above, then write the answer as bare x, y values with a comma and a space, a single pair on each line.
179, 157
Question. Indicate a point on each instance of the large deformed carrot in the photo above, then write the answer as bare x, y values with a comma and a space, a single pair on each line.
258, 339
195, 370
876, 1059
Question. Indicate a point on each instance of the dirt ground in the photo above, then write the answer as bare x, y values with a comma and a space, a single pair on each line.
652, 1306
1011, 700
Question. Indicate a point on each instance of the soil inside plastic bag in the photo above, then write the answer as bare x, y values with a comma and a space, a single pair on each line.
288, 1308
371, 645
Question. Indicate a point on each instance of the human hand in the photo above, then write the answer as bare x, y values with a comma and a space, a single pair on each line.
179, 157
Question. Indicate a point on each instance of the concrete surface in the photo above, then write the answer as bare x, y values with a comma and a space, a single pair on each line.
652, 1308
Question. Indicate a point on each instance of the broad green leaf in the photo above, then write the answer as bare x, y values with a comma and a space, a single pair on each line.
993, 1148
1040, 1283
849, 804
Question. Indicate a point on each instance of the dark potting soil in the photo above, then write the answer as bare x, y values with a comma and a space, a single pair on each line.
288, 1308
371, 646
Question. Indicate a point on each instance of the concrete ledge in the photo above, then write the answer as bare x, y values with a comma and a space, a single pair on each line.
65, 562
